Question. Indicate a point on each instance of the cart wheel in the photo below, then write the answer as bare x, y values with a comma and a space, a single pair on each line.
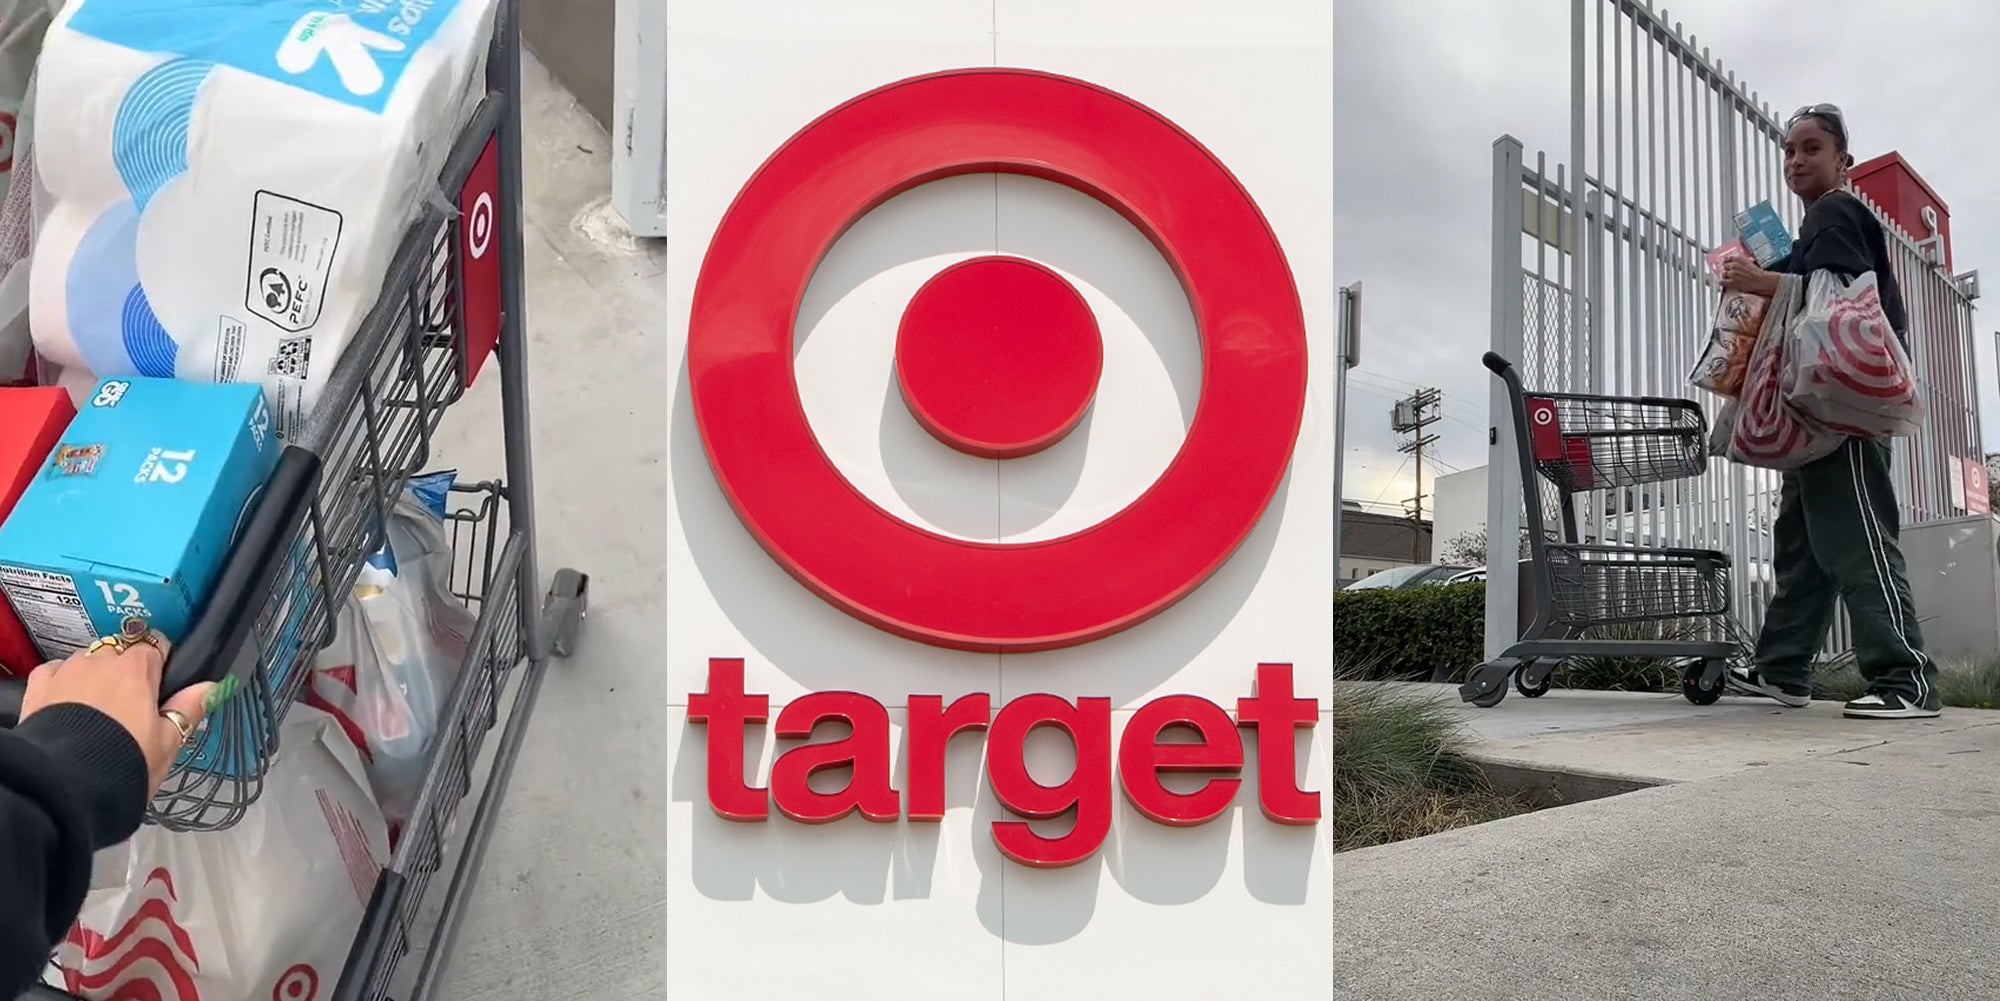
567, 604
1534, 691
1701, 686
1487, 684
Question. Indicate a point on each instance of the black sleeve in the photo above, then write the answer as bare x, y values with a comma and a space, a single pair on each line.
72, 781
1836, 238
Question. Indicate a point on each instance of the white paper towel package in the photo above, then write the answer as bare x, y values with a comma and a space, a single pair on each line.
228, 179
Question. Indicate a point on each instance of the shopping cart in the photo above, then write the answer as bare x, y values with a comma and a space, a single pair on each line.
1581, 444
326, 509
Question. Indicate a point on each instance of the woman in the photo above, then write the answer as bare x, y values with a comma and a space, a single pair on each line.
92, 746
1836, 533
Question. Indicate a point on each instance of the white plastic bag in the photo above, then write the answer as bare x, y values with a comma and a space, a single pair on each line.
1761, 427
401, 640
1845, 367
264, 909
23, 23
1732, 335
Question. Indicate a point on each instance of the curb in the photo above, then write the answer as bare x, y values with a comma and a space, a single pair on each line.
1547, 787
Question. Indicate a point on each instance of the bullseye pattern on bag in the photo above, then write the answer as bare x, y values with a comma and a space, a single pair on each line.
1847, 369
1763, 428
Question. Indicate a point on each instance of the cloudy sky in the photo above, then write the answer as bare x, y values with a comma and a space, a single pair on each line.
1421, 90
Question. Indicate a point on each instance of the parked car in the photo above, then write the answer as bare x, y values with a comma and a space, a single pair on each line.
1421, 575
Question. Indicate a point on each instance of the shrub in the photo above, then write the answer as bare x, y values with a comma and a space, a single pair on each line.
1631, 674
1400, 769
1410, 632
1973, 685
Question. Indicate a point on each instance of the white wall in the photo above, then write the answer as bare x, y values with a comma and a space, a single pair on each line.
880, 910
1460, 502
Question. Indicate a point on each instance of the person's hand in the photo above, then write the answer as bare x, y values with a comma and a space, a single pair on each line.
1741, 274
124, 684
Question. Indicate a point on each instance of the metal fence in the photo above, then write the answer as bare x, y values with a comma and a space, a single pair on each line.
1601, 285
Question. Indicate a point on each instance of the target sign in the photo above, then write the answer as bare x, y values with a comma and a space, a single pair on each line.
982, 596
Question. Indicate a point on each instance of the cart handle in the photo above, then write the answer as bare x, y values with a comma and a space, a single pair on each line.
208, 649
1498, 365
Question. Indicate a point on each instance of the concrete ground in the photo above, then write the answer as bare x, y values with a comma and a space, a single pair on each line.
1654, 739
571, 899
574, 40
1793, 855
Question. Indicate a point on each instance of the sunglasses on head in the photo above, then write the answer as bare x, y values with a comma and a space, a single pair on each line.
1828, 113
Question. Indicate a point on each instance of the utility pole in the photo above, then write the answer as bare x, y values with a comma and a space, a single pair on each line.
1349, 357
1411, 417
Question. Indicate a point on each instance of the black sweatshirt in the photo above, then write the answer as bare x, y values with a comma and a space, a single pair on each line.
1840, 235
72, 782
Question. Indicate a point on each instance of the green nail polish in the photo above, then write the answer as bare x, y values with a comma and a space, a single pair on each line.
220, 694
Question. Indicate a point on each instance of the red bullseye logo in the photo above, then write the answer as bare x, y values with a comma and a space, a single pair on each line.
997, 357
299, 983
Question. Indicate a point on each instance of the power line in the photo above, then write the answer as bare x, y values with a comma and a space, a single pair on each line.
1402, 386
1412, 417
1391, 485
1466, 415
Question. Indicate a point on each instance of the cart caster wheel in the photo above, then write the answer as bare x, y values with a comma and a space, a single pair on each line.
1700, 686
1487, 684
567, 605
1534, 691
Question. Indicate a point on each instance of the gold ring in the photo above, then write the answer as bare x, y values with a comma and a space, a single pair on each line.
181, 723
135, 631
115, 644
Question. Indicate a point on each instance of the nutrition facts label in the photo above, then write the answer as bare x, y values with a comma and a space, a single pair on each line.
50, 607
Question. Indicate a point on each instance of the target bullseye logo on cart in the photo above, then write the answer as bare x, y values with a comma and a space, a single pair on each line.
952, 592
1000, 357
479, 226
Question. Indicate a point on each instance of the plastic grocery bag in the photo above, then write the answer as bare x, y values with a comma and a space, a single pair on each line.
1761, 427
264, 909
1732, 333
1846, 368
401, 639
23, 23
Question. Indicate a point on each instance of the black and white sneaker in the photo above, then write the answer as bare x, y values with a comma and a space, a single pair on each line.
1750, 681
1891, 705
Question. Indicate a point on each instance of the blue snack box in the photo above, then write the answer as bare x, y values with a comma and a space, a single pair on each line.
136, 508
1763, 232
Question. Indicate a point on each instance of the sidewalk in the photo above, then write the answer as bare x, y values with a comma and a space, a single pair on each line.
570, 901
1860, 851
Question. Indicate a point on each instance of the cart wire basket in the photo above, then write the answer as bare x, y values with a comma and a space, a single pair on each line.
1579, 444
325, 510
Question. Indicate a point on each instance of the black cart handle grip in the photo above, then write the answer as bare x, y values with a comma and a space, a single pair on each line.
1496, 364
209, 647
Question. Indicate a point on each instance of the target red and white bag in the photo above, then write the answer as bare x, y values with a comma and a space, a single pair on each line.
265, 909
1761, 427
1846, 368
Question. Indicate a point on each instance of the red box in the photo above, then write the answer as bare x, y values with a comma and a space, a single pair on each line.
32, 421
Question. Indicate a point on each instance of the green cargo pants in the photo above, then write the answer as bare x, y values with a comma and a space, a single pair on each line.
1836, 537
